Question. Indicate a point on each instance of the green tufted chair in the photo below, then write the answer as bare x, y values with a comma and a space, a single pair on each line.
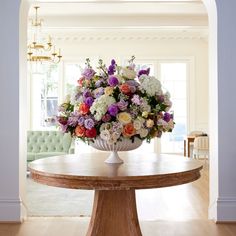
42, 144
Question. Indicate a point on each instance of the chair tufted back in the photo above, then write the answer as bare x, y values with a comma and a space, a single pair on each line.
201, 142
48, 141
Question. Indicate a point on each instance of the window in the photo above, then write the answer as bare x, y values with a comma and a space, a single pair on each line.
173, 76
44, 95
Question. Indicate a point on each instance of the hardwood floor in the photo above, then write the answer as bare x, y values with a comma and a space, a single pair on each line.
177, 211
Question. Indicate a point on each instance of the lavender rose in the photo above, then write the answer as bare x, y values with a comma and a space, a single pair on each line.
89, 123
88, 73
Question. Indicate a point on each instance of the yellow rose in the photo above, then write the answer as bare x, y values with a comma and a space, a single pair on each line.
108, 91
124, 117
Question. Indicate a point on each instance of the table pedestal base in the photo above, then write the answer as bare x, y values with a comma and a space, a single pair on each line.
114, 214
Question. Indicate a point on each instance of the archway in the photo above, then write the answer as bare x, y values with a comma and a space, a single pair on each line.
211, 7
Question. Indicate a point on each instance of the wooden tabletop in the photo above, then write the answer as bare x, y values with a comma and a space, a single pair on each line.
139, 171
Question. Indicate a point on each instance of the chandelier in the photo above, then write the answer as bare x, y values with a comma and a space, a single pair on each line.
41, 49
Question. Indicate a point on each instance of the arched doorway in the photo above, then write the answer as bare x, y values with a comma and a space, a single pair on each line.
213, 102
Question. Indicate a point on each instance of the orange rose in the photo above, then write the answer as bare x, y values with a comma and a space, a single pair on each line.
83, 108
125, 88
80, 131
128, 130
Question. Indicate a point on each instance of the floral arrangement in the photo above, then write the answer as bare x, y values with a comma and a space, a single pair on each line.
114, 103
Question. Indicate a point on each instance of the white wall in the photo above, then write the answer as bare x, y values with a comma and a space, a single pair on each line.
196, 49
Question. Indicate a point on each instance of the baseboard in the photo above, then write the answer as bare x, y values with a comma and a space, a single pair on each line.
10, 210
223, 210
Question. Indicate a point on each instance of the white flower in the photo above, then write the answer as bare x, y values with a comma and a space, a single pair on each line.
143, 132
100, 106
128, 73
150, 85
137, 124
105, 135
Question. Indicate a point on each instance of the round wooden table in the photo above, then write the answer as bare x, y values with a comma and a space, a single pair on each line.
114, 208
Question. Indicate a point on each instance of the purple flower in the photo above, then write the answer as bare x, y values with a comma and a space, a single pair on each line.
113, 110
98, 83
136, 99
111, 70
86, 93
72, 121
89, 123
144, 72
113, 62
132, 83
99, 92
167, 117
161, 98
81, 121
106, 118
88, 73
122, 105
113, 81
89, 101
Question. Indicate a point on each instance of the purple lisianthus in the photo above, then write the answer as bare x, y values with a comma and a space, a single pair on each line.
113, 81
111, 70
144, 72
113, 110
132, 83
122, 105
136, 99
106, 118
81, 121
89, 101
89, 123
88, 73
113, 62
167, 117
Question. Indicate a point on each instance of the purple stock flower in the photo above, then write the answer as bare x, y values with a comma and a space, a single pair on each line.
89, 123
167, 117
144, 72
113, 62
136, 99
89, 101
81, 121
88, 73
113, 110
122, 105
113, 81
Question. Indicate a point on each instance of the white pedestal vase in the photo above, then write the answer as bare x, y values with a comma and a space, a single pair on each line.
124, 145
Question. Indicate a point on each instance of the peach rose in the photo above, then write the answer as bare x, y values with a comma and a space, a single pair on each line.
124, 117
128, 130
80, 131
125, 88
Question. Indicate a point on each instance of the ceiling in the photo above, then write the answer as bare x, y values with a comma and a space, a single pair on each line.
76, 17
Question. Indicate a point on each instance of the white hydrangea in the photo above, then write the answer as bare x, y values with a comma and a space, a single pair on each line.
100, 106
150, 85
